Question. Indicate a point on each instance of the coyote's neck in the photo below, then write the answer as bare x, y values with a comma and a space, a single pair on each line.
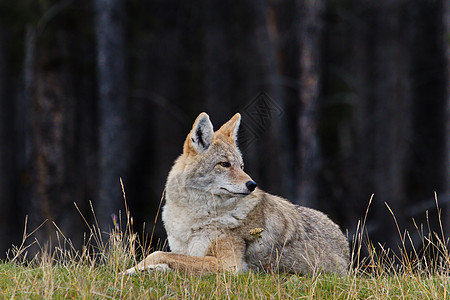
199, 203
214, 208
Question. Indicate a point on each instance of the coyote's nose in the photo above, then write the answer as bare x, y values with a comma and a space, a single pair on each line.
251, 185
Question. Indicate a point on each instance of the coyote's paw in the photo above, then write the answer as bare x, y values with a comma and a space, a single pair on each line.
130, 271
157, 268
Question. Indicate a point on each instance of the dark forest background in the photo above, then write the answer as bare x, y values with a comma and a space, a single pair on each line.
340, 99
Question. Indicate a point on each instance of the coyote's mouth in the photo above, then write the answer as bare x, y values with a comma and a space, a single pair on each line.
243, 194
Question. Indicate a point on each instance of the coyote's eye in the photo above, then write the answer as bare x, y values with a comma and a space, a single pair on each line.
224, 164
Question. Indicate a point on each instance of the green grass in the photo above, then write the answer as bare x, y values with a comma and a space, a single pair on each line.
95, 273
79, 281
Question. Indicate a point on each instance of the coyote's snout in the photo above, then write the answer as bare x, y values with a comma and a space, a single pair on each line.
213, 208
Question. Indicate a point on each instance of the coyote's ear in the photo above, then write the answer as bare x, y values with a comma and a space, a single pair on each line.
230, 128
201, 135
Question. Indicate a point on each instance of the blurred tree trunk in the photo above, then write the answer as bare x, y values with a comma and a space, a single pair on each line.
54, 136
279, 168
218, 95
382, 65
392, 113
111, 81
47, 128
363, 124
284, 22
446, 41
6, 149
28, 196
429, 93
343, 53
310, 58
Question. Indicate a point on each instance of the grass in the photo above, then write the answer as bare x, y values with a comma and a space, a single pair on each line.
95, 273
79, 281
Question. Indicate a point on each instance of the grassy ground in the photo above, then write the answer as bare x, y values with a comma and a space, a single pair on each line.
80, 281
95, 273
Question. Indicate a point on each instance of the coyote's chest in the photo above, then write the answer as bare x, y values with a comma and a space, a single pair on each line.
191, 233
188, 235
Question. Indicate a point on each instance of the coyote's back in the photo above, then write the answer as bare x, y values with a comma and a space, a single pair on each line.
216, 218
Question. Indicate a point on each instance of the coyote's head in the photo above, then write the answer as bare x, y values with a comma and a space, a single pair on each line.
211, 161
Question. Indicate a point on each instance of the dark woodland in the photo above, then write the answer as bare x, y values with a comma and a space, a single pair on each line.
339, 100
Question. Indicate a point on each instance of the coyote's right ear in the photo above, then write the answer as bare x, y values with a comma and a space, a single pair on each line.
201, 135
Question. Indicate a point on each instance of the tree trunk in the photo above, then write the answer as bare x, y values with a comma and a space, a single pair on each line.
446, 16
363, 125
6, 149
111, 81
284, 23
391, 116
429, 92
30, 203
309, 151
46, 126
217, 61
279, 168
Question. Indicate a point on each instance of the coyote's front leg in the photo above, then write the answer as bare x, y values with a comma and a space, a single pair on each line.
167, 260
222, 256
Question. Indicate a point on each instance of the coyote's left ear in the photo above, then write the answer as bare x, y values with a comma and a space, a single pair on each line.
201, 135
230, 128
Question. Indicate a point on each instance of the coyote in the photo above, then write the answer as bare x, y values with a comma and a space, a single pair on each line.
218, 220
